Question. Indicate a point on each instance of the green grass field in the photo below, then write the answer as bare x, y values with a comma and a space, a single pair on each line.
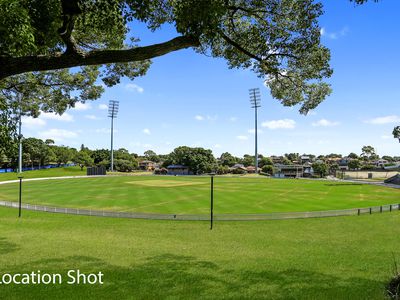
190, 195
55, 172
327, 258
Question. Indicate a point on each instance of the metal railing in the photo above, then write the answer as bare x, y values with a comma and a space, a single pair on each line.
206, 217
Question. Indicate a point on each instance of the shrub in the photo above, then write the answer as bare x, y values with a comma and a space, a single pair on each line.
123, 165
367, 167
268, 169
239, 171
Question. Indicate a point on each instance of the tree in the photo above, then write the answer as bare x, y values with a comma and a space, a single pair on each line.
367, 152
227, 159
63, 154
198, 160
268, 169
265, 161
36, 149
248, 160
320, 168
277, 39
100, 155
352, 155
354, 164
286, 162
151, 155
396, 133
83, 159
123, 165
292, 156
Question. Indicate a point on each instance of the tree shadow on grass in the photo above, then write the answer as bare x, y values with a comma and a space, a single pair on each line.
7, 247
185, 277
342, 184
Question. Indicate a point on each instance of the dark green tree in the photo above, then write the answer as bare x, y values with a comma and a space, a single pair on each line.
320, 168
354, 164
278, 40
83, 159
198, 160
396, 132
227, 159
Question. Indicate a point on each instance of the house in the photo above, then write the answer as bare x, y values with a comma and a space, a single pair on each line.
177, 170
305, 159
147, 165
276, 159
381, 163
289, 171
344, 163
308, 171
251, 169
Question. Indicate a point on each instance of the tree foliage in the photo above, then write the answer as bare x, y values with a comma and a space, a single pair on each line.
396, 132
198, 160
278, 40
320, 168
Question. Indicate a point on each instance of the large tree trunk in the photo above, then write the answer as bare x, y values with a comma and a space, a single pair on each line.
17, 65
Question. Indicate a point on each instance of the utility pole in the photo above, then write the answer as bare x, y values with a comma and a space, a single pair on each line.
112, 113
255, 100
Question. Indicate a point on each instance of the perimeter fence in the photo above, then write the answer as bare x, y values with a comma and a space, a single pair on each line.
204, 217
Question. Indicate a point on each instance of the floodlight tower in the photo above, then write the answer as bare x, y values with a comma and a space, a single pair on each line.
112, 113
255, 100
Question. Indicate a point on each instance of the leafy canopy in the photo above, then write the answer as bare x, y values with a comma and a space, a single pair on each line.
278, 39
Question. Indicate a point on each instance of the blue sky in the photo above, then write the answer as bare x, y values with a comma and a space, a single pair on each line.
189, 99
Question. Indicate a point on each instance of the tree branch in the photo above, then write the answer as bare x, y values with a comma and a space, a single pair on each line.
17, 65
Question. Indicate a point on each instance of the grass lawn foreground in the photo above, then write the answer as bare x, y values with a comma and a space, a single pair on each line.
327, 258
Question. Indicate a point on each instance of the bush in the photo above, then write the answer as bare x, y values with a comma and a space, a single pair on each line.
268, 169
162, 171
239, 171
367, 167
222, 170
123, 165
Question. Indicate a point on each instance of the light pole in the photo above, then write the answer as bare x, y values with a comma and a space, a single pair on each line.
255, 100
112, 113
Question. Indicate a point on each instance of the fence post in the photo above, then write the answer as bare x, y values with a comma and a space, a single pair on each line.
390, 207
370, 210
358, 212
381, 209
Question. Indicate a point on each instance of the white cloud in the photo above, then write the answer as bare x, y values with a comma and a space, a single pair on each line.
139, 144
212, 118
65, 117
57, 134
92, 117
279, 124
325, 123
334, 35
146, 131
33, 122
386, 137
233, 119
217, 146
384, 120
242, 137
253, 131
103, 106
199, 118
134, 88
82, 106
105, 130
